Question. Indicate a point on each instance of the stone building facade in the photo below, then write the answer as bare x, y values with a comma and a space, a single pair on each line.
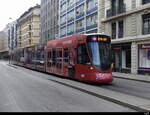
128, 22
28, 28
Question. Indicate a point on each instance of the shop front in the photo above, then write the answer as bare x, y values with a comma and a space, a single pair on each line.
144, 59
121, 57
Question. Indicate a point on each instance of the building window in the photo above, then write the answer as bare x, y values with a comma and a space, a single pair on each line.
70, 28
91, 4
91, 20
63, 7
120, 30
114, 30
70, 15
30, 34
80, 24
70, 2
63, 31
80, 10
30, 27
146, 24
63, 19
117, 29
117, 7
145, 1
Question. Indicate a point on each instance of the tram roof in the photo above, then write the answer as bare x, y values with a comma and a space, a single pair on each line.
94, 34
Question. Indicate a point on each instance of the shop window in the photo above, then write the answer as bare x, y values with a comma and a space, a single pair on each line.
144, 58
146, 24
83, 57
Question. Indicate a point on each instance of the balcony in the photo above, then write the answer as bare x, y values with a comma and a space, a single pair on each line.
92, 10
70, 20
62, 24
70, 33
64, 35
120, 10
81, 29
92, 26
80, 15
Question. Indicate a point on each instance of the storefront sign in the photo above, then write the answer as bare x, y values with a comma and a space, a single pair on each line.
116, 48
145, 46
148, 54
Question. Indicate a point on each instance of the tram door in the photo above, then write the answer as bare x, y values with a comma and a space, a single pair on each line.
71, 64
83, 62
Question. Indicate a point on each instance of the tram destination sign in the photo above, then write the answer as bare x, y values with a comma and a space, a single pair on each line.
99, 39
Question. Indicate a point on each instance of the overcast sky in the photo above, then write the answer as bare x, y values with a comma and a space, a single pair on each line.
13, 9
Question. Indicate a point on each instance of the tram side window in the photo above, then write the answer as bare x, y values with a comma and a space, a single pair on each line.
83, 57
66, 55
49, 56
54, 57
59, 59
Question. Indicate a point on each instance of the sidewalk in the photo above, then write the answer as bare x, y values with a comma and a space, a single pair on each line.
143, 78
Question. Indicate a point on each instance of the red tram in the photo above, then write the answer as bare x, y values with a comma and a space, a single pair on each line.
82, 57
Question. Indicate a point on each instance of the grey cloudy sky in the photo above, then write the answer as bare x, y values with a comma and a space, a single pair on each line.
13, 9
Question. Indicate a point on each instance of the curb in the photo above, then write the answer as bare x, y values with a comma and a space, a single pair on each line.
132, 79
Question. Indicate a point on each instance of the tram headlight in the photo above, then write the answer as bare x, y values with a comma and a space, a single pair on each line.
91, 68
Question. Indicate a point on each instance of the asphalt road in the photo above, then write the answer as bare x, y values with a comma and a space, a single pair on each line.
23, 91
131, 87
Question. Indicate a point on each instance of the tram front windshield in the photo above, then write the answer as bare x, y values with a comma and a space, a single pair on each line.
100, 51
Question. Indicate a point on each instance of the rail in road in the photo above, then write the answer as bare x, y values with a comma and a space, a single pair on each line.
133, 102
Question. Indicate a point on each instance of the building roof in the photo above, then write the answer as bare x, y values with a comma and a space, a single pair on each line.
29, 10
